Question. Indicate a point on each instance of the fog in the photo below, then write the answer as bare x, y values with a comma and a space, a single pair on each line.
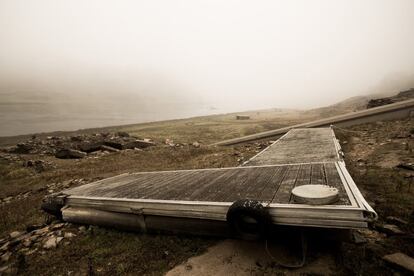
133, 61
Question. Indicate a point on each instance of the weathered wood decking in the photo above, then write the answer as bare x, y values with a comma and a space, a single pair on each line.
300, 146
302, 156
269, 184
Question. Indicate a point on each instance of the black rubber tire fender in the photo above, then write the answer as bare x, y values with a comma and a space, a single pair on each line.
245, 210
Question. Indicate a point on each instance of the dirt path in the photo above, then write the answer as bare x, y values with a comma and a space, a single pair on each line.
233, 257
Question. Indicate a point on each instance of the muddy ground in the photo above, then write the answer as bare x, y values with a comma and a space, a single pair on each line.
373, 154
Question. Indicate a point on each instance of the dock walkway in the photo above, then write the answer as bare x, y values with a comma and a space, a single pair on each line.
302, 156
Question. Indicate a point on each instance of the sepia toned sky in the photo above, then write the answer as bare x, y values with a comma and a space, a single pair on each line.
233, 54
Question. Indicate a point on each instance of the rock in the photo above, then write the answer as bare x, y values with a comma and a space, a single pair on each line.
7, 199
39, 166
358, 238
41, 231
5, 269
169, 142
137, 144
90, 146
22, 148
33, 227
76, 138
57, 226
6, 256
108, 148
27, 243
196, 144
16, 234
69, 154
400, 260
379, 102
82, 229
30, 252
396, 220
50, 243
122, 134
390, 229
114, 144
59, 239
69, 235
5, 246
407, 166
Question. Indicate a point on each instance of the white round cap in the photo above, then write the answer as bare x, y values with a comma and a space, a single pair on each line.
315, 194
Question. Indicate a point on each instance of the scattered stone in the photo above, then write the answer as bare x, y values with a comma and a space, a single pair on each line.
196, 144
33, 227
76, 138
42, 231
400, 260
358, 238
57, 226
169, 142
69, 154
407, 166
108, 148
16, 234
379, 102
82, 229
4, 269
390, 229
122, 134
50, 243
38, 165
396, 220
90, 146
113, 144
27, 243
69, 235
188, 267
5, 246
22, 148
6, 256
141, 144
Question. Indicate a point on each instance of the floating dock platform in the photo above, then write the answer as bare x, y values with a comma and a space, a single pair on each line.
199, 200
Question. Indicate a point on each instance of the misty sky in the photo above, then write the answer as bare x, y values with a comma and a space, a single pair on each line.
233, 54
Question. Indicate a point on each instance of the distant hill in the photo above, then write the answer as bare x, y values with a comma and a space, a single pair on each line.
359, 103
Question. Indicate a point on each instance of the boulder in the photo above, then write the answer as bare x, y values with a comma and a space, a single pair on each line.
390, 229
90, 146
400, 260
396, 220
114, 144
69, 154
23, 148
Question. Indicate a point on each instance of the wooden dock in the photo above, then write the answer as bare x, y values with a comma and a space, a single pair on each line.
302, 156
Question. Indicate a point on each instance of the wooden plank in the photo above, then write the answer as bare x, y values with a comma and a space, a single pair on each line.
318, 174
299, 146
268, 190
303, 178
282, 195
333, 179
